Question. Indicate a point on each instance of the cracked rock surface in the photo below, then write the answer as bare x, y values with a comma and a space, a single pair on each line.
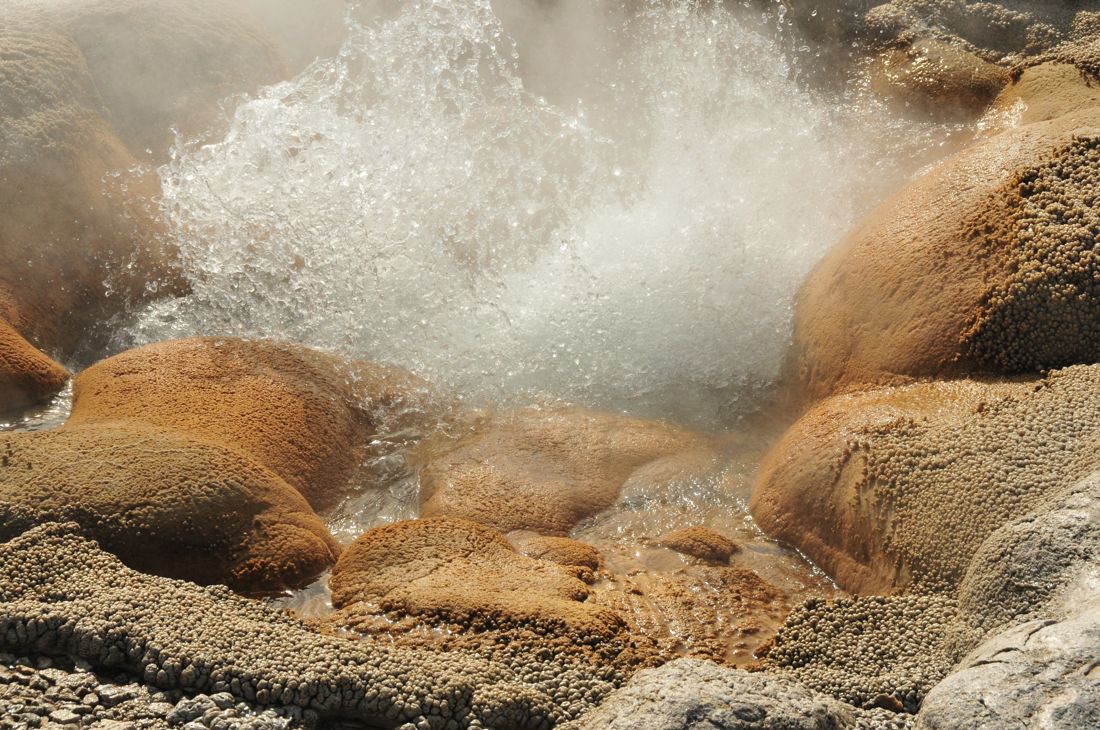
1040, 673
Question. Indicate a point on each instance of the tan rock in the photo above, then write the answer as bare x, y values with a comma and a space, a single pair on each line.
543, 470
456, 572
303, 31
159, 64
301, 413
984, 264
702, 543
560, 550
164, 503
720, 613
27, 375
938, 80
897, 488
78, 240
1049, 91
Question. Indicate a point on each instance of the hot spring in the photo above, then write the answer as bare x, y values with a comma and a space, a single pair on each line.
584, 203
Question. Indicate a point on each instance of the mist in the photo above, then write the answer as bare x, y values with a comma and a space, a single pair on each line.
607, 203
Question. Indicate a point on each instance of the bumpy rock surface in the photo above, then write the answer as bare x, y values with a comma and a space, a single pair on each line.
43, 692
984, 264
560, 550
463, 576
693, 693
87, 89
717, 613
164, 503
27, 375
202, 458
61, 595
1000, 31
877, 651
543, 470
461, 572
1047, 91
1036, 674
899, 487
700, 542
301, 413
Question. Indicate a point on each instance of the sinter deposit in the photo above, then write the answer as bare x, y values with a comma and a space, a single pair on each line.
532, 364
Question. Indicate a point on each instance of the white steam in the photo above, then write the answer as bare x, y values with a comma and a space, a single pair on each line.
413, 202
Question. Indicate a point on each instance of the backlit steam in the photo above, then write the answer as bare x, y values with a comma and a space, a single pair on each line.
413, 201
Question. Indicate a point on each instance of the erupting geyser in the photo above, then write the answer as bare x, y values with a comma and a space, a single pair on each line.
636, 244
550, 364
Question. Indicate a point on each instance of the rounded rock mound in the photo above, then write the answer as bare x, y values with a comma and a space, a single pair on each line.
460, 573
77, 222
164, 503
205, 458
543, 470
159, 64
984, 265
27, 375
702, 543
302, 413
897, 488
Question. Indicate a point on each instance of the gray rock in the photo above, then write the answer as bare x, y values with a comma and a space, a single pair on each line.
191, 709
1038, 674
694, 693
1022, 570
110, 695
64, 717
160, 709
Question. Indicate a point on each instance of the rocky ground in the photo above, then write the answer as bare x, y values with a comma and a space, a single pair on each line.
941, 467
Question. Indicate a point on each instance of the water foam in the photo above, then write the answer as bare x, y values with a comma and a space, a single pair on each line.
413, 201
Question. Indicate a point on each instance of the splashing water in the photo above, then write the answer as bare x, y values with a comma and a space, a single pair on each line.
412, 201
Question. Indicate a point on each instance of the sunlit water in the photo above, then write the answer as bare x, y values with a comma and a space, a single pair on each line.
636, 246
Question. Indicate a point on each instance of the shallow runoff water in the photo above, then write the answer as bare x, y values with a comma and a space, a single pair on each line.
607, 203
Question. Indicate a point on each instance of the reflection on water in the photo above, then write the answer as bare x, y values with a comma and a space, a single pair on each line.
42, 417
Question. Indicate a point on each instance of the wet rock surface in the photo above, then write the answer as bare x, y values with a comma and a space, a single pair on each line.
544, 469
980, 266
701, 542
450, 572
27, 375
